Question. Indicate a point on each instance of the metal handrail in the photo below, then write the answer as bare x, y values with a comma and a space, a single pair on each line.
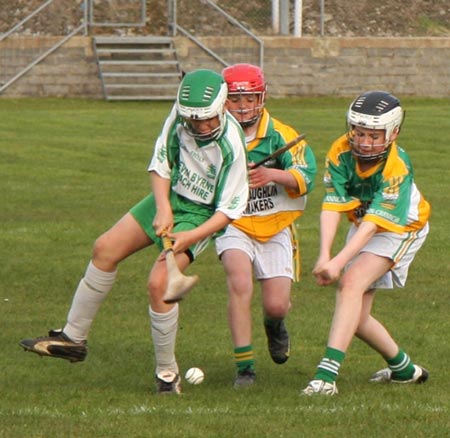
92, 21
40, 58
244, 29
229, 18
29, 17
49, 51
201, 45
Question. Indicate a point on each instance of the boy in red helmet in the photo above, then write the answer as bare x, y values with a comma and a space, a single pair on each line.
260, 243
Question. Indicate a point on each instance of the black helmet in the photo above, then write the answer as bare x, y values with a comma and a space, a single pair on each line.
375, 110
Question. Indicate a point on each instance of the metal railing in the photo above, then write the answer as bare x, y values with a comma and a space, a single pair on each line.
175, 27
89, 19
138, 23
38, 59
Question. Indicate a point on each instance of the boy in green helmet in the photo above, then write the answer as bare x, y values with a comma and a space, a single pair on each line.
198, 174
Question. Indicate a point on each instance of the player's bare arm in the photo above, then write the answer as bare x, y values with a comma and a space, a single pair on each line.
163, 219
263, 175
184, 239
330, 272
329, 222
364, 233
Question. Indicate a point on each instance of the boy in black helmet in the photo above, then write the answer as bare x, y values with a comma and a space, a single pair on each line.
370, 178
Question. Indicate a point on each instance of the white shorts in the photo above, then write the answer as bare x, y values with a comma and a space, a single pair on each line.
400, 248
270, 259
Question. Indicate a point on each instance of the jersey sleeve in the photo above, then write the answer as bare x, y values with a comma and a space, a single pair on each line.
301, 163
161, 161
232, 189
336, 178
300, 160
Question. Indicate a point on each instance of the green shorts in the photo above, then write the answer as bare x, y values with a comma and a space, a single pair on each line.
186, 216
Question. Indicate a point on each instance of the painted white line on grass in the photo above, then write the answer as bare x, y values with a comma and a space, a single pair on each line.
150, 410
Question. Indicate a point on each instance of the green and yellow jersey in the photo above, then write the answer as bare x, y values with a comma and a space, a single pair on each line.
385, 194
273, 207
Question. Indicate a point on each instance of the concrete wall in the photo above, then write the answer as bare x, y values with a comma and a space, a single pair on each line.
70, 71
341, 66
293, 66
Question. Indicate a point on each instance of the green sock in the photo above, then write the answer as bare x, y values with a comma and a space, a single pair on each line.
401, 366
243, 357
328, 369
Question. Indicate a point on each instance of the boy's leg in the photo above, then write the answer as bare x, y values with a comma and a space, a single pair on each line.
89, 296
236, 252
124, 238
400, 367
276, 304
349, 307
238, 270
164, 326
274, 268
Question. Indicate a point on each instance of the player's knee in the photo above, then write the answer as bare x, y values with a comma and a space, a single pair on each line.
103, 253
156, 286
100, 247
347, 282
241, 290
276, 310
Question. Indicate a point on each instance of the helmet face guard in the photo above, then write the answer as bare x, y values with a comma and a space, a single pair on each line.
375, 110
246, 79
212, 134
201, 96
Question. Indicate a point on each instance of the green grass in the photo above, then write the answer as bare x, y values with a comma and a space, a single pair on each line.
429, 26
71, 168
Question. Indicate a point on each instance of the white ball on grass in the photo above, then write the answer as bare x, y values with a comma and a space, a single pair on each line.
195, 376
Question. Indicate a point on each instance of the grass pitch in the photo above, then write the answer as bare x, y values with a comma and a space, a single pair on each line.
71, 168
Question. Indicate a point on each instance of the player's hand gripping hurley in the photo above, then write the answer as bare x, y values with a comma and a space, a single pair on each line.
178, 284
278, 152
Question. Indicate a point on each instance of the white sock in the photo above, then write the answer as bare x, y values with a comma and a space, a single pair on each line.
164, 333
89, 296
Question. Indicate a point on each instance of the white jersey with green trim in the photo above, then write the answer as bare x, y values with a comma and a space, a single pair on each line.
208, 173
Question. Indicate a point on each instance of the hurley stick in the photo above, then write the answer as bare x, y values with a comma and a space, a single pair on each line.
178, 284
278, 152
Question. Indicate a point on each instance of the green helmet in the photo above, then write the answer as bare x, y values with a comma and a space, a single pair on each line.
202, 95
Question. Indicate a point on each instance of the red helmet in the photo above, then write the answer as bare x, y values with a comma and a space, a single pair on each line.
246, 79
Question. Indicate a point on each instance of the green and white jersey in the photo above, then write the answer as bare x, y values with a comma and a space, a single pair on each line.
385, 194
210, 174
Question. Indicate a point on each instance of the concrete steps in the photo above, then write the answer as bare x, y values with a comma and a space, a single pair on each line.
138, 68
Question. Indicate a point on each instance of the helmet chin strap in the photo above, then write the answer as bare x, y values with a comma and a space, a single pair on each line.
369, 157
356, 149
251, 121
207, 136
